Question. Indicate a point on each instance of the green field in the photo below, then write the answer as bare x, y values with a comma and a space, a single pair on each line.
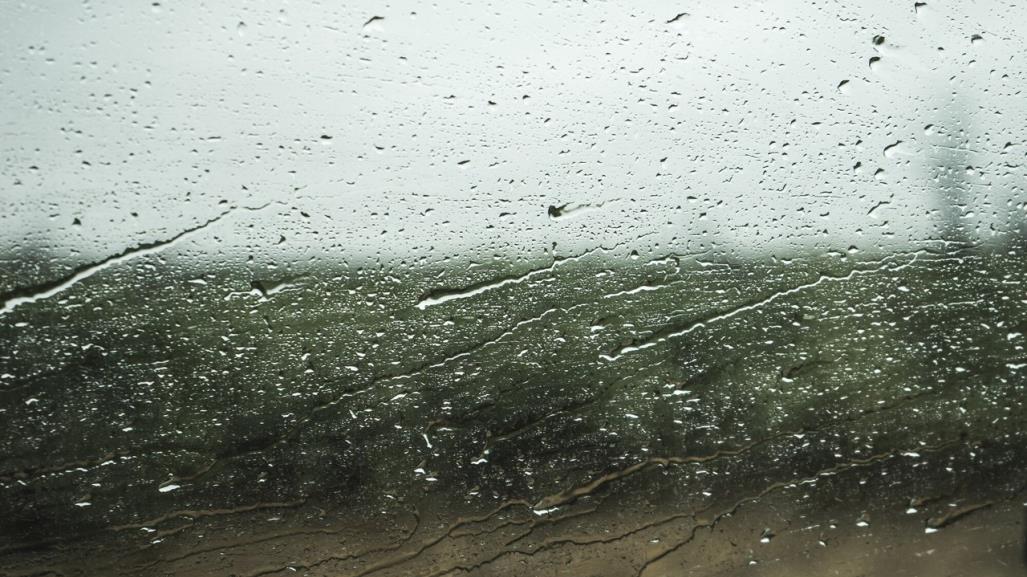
600, 414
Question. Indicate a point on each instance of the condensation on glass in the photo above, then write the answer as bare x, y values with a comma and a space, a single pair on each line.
501, 289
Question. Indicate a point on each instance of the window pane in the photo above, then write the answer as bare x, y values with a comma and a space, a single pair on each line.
504, 289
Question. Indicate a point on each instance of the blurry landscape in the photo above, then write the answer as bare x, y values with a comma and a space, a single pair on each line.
600, 415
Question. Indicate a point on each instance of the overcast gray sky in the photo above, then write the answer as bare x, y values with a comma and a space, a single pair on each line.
432, 130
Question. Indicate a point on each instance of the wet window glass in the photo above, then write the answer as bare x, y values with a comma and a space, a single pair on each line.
597, 288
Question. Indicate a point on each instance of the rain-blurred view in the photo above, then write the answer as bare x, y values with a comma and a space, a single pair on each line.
457, 289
